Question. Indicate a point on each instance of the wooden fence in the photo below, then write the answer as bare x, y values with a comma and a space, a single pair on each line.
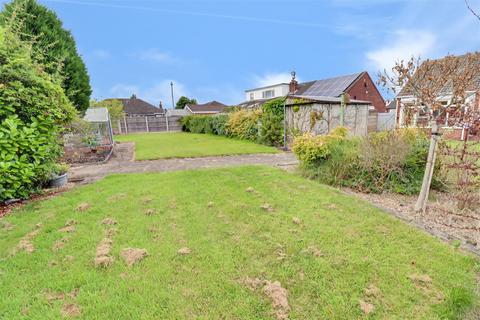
161, 123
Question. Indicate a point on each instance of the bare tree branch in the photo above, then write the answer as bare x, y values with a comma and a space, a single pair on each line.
471, 10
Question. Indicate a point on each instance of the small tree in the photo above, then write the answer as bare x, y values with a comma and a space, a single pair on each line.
183, 101
441, 88
53, 47
115, 109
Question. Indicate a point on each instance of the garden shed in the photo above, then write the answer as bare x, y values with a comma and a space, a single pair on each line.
320, 115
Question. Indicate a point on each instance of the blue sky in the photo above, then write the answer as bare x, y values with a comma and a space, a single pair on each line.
215, 49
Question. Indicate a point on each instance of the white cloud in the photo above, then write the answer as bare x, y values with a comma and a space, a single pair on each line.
101, 54
154, 55
269, 79
404, 45
160, 91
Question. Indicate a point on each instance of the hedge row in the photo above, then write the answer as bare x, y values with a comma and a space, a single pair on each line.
392, 161
263, 125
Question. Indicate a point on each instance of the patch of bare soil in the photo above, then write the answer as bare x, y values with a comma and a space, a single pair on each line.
82, 207
366, 307
132, 256
70, 310
150, 212
26, 242
442, 218
184, 251
68, 229
420, 279
103, 257
373, 292
109, 222
296, 220
314, 251
60, 244
69, 307
266, 207
274, 291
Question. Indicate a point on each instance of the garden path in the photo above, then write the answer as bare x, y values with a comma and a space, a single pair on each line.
122, 161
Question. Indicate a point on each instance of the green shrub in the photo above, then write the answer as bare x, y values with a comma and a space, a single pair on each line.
271, 130
218, 124
243, 124
312, 150
205, 124
259, 125
391, 161
33, 112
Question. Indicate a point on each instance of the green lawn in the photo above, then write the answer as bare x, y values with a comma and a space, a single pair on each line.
325, 248
149, 146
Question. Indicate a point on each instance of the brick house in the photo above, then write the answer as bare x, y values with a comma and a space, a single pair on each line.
359, 86
408, 115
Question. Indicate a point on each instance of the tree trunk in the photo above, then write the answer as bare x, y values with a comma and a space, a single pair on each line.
421, 204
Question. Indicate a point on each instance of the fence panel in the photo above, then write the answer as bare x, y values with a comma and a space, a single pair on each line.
149, 124
386, 121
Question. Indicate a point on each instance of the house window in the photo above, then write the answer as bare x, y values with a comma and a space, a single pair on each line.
252, 96
268, 94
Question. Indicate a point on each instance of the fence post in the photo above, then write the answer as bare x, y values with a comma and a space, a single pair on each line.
146, 123
126, 126
119, 127
166, 120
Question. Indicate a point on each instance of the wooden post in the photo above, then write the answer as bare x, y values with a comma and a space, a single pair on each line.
119, 127
126, 126
166, 120
146, 123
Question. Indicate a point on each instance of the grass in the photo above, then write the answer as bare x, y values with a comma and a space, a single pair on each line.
230, 237
151, 146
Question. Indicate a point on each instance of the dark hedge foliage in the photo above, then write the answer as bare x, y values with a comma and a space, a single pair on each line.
53, 47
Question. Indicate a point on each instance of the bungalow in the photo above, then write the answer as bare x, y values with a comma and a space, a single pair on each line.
209, 108
135, 107
359, 86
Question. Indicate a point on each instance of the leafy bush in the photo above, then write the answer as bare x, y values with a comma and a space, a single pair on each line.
218, 124
243, 124
260, 125
33, 111
205, 124
271, 130
311, 150
391, 161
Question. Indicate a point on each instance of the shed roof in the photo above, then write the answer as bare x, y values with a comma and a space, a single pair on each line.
96, 115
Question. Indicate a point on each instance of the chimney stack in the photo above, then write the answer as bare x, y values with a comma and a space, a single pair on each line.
293, 84
133, 96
